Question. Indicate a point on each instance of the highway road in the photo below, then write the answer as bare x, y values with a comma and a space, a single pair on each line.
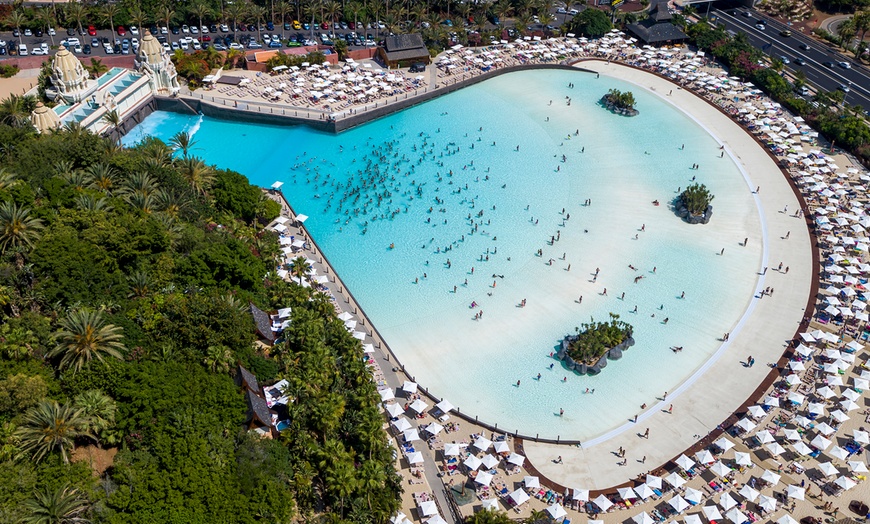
821, 62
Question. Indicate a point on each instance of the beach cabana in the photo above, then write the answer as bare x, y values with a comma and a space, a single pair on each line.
419, 406
428, 508
556, 511
483, 478
580, 494
678, 503
482, 443
795, 492
727, 501
451, 450
531, 482
516, 459
643, 518
436, 519
711, 512
402, 424
519, 497
602, 502
490, 505
472, 463
394, 410
415, 458
489, 461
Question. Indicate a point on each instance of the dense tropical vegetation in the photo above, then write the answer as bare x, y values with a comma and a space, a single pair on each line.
125, 279
593, 339
619, 99
696, 198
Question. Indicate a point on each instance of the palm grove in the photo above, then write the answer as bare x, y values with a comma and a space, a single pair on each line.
125, 279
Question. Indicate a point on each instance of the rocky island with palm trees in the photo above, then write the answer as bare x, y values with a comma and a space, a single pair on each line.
693, 204
620, 102
587, 351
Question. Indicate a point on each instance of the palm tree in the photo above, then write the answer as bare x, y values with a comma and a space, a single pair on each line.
77, 11
103, 176
16, 19
218, 358
299, 268
333, 13
7, 179
284, 9
114, 119
17, 228
168, 14
84, 336
108, 13
257, 14
140, 284
236, 11
64, 505
49, 427
137, 16
47, 19
99, 408
197, 173
171, 202
97, 67
200, 10
87, 202
141, 182
183, 142
15, 110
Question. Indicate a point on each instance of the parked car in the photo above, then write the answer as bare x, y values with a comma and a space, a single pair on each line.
185, 29
36, 51
418, 67
86, 49
22, 50
121, 30
92, 31
274, 44
28, 32
134, 30
194, 30
225, 28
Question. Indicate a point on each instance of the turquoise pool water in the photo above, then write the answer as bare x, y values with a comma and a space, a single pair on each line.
110, 75
444, 182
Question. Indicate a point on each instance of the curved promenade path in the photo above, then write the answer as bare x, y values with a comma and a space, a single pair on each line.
708, 398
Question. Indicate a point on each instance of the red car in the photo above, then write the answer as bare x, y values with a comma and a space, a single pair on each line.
206, 38
92, 30
351, 25
324, 26
121, 30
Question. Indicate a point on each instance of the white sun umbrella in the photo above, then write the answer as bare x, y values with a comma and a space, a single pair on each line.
519, 496
451, 450
793, 379
720, 469
409, 387
626, 493
771, 401
685, 462
820, 443
489, 461
483, 478
444, 406
825, 429
394, 410
796, 365
831, 367
838, 453
860, 383
767, 503
792, 434
786, 519
580, 494
602, 502
675, 480
419, 406
711, 512
501, 447
724, 444
428, 508
556, 511
742, 459
402, 424
770, 477
644, 491
825, 392
516, 459
748, 493
411, 435
858, 466
472, 463
816, 408
775, 449
834, 380
848, 405
654, 481
705, 457
796, 398
386, 394
745, 424
482, 443
795, 492
727, 501
802, 449
851, 394
765, 437
845, 482
679, 504
692, 519
490, 504
643, 518
415, 457
735, 516
530, 482
693, 495
757, 412
434, 428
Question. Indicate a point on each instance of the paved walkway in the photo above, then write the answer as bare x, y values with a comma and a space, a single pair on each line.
710, 396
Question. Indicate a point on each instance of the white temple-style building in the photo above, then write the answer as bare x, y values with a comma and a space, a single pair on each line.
44, 119
70, 80
153, 61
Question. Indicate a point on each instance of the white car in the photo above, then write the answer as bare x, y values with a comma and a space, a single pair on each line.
52, 32
22, 50
225, 28
203, 30
73, 41
185, 29
135, 43
2, 43
236, 45
163, 30
184, 45
166, 47
38, 51
134, 30
194, 29
108, 49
